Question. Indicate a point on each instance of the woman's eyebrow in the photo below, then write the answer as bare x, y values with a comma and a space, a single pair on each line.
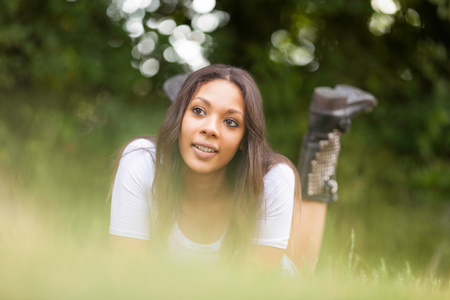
233, 111
230, 111
203, 100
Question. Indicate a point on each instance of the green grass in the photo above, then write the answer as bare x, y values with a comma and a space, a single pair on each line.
54, 218
61, 252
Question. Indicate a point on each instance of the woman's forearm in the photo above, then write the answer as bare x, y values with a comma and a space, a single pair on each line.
307, 234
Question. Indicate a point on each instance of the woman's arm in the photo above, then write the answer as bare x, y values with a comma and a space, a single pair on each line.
306, 228
275, 223
130, 203
307, 232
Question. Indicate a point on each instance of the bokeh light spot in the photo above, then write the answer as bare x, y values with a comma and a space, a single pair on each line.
134, 63
189, 43
170, 55
135, 52
380, 24
146, 46
300, 56
413, 17
149, 67
197, 36
190, 52
276, 55
113, 12
130, 6
308, 33
222, 16
279, 38
134, 28
182, 31
205, 23
166, 26
406, 75
153, 6
388, 7
152, 23
203, 6
313, 66
115, 43
145, 3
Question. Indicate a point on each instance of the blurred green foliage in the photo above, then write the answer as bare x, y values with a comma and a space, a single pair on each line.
61, 45
69, 97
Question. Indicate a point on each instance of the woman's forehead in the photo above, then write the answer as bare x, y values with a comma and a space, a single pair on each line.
220, 92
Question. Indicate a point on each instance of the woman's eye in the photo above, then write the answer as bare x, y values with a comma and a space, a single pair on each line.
198, 111
231, 123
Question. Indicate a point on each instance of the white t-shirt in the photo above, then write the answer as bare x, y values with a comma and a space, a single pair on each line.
131, 205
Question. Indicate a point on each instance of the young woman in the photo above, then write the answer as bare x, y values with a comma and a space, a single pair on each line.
208, 187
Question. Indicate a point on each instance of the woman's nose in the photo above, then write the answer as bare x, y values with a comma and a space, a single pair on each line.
211, 127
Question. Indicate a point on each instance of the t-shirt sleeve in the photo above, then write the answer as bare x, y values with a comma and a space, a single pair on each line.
277, 206
131, 195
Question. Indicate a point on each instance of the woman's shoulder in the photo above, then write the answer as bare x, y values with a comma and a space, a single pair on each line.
281, 171
279, 192
138, 158
137, 164
140, 144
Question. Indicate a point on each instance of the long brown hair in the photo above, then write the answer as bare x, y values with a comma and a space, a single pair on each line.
245, 172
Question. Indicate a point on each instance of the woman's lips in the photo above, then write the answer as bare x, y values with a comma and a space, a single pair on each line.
204, 151
205, 148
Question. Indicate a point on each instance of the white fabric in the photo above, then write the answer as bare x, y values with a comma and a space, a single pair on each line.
182, 249
131, 205
287, 267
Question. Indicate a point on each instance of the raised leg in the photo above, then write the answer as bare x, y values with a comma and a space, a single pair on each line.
330, 116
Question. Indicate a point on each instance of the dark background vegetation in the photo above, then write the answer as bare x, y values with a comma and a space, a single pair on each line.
69, 100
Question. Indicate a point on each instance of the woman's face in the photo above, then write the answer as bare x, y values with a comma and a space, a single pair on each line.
213, 127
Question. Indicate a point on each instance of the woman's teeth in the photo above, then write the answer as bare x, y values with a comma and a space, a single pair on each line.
205, 149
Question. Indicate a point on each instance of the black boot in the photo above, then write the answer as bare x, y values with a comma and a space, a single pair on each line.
330, 116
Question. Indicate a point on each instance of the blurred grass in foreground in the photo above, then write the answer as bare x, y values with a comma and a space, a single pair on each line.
54, 218
62, 253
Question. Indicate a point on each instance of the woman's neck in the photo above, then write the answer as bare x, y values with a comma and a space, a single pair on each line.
204, 187
206, 205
